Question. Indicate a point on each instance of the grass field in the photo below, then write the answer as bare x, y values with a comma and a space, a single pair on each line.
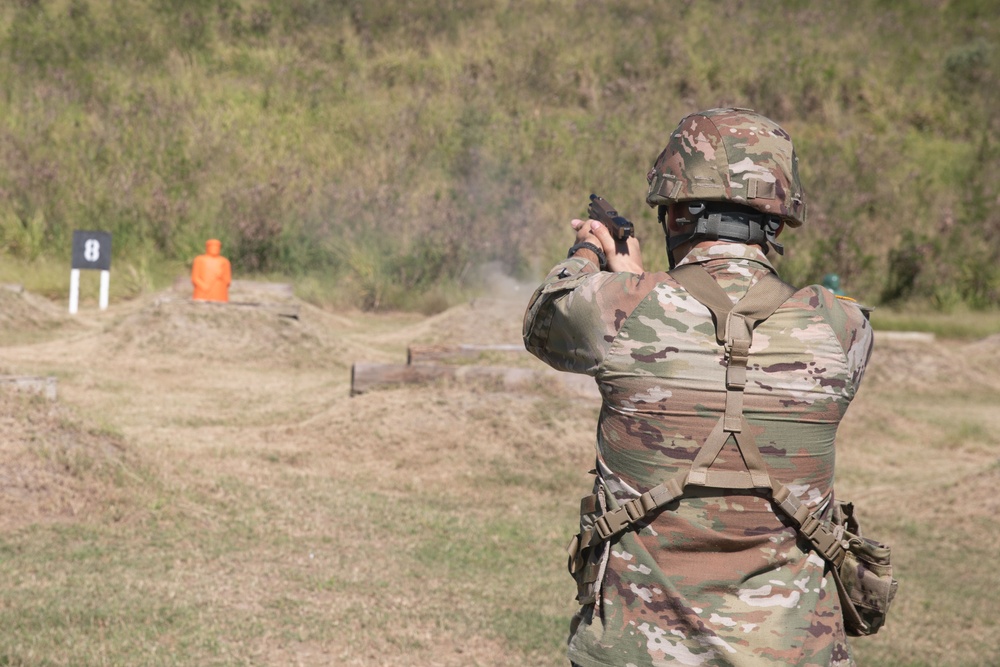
205, 491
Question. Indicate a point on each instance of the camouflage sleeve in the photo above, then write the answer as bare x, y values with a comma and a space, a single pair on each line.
576, 313
853, 331
859, 348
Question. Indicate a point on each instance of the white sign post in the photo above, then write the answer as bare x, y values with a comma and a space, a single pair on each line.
91, 250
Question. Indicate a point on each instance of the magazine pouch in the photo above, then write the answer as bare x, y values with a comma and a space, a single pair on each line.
864, 579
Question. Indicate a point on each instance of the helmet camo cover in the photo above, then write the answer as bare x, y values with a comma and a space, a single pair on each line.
732, 155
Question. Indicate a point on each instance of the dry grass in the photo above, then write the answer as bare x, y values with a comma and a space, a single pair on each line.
54, 469
921, 456
27, 318
239, 508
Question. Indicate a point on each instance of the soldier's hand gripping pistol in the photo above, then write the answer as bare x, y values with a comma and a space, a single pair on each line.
602, 211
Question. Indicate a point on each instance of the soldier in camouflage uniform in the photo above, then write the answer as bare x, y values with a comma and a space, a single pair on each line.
718, 576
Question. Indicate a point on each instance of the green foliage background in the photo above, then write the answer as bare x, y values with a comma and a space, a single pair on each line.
394, 147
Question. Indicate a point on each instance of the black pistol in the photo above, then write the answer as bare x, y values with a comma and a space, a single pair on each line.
602, 211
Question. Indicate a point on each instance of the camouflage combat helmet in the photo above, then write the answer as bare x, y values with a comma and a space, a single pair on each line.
734, 155
738, 174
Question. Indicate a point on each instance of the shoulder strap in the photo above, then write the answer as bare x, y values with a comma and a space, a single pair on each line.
760, 301
734, 325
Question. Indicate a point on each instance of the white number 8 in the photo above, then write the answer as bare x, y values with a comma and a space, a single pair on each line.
92, 250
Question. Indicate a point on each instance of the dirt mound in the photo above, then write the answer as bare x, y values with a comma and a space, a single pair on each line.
29, 318
448, 435
984, 355
53, 468
480, 321
285, 331
916, 364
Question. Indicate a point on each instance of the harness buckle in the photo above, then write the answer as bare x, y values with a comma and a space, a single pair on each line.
809, 526
633, 509
603, 528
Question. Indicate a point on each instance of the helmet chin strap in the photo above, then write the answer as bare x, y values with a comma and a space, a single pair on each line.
713, 222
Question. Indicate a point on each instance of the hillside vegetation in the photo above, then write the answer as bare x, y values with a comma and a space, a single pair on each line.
392, 148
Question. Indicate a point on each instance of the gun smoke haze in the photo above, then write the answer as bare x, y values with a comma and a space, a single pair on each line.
499, 285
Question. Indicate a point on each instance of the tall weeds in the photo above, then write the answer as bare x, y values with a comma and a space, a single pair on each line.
399, 146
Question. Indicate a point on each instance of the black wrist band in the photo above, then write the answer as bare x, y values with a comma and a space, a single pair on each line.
602, 260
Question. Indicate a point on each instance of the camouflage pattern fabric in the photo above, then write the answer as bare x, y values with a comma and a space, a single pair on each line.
717, 578
733, 155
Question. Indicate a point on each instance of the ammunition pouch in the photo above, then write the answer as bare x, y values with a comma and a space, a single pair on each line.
864, 578
586, 555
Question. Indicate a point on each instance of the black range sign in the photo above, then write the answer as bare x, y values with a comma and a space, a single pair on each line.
91, 250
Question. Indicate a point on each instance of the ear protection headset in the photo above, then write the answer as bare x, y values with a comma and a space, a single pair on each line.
721, 221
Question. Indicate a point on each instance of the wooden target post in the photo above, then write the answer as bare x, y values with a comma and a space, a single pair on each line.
91, 250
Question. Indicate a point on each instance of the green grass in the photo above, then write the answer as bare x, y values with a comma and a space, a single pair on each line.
959, 323
926, 553
49, 276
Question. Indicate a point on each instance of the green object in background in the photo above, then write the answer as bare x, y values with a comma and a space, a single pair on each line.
831, 281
